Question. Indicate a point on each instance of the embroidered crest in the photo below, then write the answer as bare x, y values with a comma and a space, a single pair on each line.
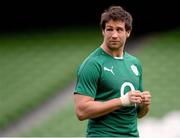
135, 70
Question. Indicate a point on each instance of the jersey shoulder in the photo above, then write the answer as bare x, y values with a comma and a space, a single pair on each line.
134, 60
93, 61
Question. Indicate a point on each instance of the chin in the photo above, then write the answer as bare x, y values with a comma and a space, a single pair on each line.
114, 47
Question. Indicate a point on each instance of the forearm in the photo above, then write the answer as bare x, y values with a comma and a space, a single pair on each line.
144, 107
143, 110
93, 109
87, 107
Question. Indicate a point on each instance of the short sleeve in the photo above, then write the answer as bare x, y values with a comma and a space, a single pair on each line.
141, 84
141, 74
87, 78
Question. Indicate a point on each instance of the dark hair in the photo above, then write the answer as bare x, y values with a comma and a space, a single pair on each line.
116, 13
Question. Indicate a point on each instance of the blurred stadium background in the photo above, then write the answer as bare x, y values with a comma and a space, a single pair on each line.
41, 47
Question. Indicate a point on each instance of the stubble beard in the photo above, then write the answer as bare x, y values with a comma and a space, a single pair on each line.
115, 47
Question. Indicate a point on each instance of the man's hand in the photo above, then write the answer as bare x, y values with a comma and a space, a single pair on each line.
144, 107
131, 98
146, 98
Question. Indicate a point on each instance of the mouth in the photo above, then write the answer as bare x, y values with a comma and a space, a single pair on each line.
114, 41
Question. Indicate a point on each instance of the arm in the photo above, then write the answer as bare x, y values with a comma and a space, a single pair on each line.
144, 107
86, 107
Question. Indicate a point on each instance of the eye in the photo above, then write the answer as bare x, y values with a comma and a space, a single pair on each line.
109, 29
119, 29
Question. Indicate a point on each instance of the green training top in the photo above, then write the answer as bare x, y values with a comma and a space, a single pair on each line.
104, 77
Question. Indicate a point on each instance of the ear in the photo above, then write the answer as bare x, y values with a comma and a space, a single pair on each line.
128, 33
103, 32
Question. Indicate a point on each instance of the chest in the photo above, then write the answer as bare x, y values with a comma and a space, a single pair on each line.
118, 78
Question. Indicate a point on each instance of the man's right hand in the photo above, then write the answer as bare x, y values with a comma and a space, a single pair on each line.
131, 98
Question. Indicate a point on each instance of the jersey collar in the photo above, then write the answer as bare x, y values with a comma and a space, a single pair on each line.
118, 58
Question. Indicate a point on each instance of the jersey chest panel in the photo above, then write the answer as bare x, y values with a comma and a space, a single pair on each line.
114, 75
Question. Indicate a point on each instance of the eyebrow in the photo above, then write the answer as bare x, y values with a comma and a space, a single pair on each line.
109, 26
114, 27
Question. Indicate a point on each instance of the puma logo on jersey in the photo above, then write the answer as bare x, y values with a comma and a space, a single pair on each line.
135, 70
110, 70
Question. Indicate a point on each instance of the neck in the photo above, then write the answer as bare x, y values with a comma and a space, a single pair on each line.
113, 52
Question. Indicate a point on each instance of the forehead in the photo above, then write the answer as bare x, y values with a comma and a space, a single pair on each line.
113, 23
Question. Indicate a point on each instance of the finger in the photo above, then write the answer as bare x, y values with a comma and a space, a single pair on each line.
146, 93
146, 98
136, 99
146, 101
136, 93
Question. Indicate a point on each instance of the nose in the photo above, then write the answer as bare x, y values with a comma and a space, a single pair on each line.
115, 34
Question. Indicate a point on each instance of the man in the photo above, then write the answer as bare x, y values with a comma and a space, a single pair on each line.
109, 89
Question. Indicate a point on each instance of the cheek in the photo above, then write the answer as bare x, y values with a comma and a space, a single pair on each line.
107, 37
124, 36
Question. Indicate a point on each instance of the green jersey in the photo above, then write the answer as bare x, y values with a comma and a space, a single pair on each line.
104, 77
